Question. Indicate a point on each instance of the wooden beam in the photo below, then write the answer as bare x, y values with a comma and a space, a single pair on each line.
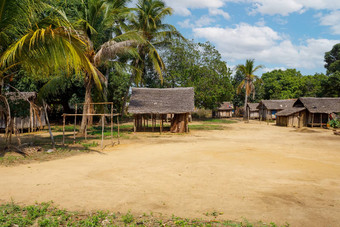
118, 129
64, 130
312, 120
75, 124
320, 120
134, 123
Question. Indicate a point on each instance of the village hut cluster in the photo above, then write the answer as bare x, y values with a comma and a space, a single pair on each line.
301, 112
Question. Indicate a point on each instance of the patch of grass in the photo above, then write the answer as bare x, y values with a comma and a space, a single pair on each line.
220, 121
88, 145
206, 127
46, 214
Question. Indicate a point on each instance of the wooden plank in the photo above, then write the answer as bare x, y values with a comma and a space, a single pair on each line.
118, 129
75, 124
64, 130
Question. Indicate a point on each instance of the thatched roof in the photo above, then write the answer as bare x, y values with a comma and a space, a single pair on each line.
319, 105
290, 111
226, 106
277, 104
253, 106
21, 95
161, 101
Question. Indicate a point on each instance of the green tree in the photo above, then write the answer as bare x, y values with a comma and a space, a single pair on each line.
197, 65
247, 83
332, 59
331, 86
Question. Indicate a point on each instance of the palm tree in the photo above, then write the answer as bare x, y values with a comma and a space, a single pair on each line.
98, 20
248, 71
148, 20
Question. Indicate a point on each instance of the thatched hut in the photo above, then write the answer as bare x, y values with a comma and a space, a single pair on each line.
252, 111
269, 108
157, 104
307, 111
35, 117
224, 110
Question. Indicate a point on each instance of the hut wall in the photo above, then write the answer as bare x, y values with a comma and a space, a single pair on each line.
224, 113
254, 115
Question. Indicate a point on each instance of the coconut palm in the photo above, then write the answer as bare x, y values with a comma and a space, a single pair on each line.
148, 21
247, 83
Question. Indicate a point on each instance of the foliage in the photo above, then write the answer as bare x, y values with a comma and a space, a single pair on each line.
46, 214
332, 59
331, 86
334, 123
198, 65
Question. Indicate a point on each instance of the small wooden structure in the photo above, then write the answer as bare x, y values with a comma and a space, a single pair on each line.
36, 118
252, 111
225, 110
309, 111
269, 108
102, 115
153, 104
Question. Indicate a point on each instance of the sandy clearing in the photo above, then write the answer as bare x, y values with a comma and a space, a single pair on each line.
256, 171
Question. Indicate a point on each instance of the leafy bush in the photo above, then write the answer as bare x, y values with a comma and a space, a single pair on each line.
334, 123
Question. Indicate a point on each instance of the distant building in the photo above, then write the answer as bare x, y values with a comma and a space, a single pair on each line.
224, 110
269, 108
313, 112
35, 118
252, 110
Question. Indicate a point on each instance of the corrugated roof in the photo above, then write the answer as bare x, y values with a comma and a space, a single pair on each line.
161, 101
289, 111
226, 106
319, 105
277, 104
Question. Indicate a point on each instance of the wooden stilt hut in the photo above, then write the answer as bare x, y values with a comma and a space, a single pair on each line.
309, 111
152, 105
35, 117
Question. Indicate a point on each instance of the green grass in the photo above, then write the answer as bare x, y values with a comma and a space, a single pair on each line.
206, 127
46, 214
221, 121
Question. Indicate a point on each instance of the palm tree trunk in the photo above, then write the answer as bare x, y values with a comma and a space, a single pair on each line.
86, 120
245, 105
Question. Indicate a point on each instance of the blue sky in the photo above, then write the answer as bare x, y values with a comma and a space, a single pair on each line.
279, 34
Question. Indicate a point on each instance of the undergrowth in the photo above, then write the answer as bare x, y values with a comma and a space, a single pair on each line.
46, 214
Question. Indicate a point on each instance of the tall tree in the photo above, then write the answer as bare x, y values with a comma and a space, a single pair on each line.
332, 59
248, 71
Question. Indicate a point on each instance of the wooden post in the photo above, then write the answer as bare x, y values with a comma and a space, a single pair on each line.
75, 125
86, 131
118, 129
134, 124
186, 123
144, 122
152, 122
160, 124
48, 124
312, 120
112, 125
103, 119
320, 120
64, 130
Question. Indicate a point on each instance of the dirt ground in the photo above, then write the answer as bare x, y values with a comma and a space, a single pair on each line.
253, 171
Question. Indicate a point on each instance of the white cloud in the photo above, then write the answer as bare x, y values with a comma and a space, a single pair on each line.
285, 7
202, 21
332, 20
266, 45
215, 11
182, 7
266, 70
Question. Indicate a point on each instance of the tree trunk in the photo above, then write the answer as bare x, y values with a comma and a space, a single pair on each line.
179, 123
86, 120
245, 106
8, 118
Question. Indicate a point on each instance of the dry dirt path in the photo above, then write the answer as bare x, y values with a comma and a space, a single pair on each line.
256, 171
